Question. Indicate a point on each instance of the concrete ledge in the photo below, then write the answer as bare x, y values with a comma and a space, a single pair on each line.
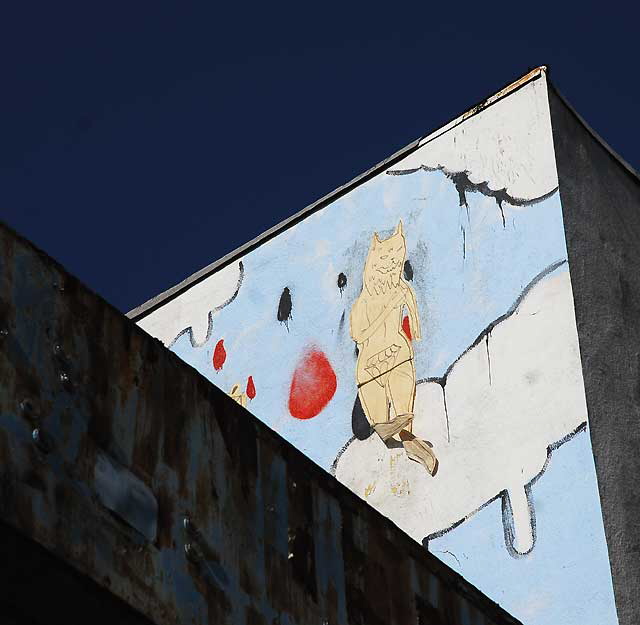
219, 520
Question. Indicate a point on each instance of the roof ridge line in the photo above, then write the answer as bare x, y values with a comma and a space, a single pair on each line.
146, 308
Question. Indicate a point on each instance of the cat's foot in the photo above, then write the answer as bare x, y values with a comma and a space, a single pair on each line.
421, 451
390, 428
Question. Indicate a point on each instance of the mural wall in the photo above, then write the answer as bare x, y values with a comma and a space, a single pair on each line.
417, 338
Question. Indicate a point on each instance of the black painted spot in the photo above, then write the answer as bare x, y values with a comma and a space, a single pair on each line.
408, 270
359, 424
464, 185
342, 282
341, 323
284, 307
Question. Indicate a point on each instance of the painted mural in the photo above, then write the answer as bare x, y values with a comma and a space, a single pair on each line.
385, 372
416, 337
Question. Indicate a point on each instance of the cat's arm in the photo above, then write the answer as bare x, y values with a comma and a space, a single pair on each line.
414, 318
360, 324
359, 320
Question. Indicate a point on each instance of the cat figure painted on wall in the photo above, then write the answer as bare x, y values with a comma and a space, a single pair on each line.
385, 371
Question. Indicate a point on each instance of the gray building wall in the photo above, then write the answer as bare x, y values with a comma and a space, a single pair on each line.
601, 203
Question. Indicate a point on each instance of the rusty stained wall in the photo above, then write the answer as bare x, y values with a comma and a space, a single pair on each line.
271, 539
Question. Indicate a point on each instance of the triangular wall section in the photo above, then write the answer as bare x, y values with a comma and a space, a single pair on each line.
436, 286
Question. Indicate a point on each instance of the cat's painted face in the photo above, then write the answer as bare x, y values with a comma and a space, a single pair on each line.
385, 261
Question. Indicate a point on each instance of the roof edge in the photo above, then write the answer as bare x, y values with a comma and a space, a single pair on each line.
138, 313
630, 169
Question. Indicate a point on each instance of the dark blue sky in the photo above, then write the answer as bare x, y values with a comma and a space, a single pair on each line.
140, 141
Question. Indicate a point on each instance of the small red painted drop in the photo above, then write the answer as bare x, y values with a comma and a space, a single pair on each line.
313, 385
406, 327
219, 355
251, 388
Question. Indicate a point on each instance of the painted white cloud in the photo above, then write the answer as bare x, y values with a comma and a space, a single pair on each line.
508, 399
193, 310
509, 146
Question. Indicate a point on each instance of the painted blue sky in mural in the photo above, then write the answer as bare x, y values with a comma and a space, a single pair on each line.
468, 269
537, 589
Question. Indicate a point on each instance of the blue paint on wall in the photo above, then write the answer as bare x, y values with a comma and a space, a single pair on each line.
468, 269
458, 293
539, 589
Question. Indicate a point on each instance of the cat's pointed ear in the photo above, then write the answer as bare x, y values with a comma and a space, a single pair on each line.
399, 228
376, 240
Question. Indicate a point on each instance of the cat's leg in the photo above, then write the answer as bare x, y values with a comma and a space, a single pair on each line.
374, 402
401, 387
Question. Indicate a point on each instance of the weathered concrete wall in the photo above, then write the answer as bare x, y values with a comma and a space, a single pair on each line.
40, 589
601, 204
126, 463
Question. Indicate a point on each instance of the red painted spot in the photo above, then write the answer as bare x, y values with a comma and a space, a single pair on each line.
251, 388
313, 385
219, 355
406, 327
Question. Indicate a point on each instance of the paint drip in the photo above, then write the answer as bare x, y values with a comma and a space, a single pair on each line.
219, 355
342, 282
251, 388
284, 307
